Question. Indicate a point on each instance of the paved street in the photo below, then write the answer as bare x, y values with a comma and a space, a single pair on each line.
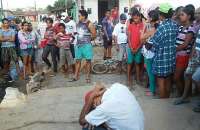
57, 107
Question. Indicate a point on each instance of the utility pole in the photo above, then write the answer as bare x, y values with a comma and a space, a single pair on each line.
35, 6
2, 14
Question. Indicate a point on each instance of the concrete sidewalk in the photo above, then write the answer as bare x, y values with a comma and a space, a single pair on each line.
58, 108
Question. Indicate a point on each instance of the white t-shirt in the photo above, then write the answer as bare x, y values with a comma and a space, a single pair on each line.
119, 110
120, 31
42, 28
71, 28
148, 54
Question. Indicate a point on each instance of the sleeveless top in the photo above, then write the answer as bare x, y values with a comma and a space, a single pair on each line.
84, 35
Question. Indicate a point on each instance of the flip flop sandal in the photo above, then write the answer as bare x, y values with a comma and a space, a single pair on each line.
149, 94
196, 109
73, 80
181, 101
88, 81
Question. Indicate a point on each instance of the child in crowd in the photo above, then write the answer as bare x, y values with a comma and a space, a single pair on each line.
184, 43
134, 55
63, 42
149, 54
120, 37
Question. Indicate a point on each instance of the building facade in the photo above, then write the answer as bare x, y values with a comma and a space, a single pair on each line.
97, 8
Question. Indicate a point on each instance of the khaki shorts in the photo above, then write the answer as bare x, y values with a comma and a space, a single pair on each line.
66, 57
122, 52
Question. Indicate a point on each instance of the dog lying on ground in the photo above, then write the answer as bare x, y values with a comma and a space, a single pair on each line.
34, 84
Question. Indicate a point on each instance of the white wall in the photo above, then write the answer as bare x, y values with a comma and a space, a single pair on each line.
93, 4
122, 4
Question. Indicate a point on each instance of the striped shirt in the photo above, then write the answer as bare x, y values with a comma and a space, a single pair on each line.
181, 39
197, 43
64, 40
49, 35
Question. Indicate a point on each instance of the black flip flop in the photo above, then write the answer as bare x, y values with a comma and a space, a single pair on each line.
181, 101
196, 109
73, 80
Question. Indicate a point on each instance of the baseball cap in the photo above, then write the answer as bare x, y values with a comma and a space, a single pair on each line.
164, 7
123, 17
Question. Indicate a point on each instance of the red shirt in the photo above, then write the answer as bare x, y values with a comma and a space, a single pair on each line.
57, 28
135, 31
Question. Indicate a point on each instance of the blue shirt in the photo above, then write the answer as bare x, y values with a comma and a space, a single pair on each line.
108, 25
7, 33
164, 41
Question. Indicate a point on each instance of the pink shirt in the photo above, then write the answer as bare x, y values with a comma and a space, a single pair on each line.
26, 39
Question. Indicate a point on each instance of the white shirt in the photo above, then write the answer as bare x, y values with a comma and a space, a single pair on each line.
148, 54
120, 31
119, 110
71, 28
42, 28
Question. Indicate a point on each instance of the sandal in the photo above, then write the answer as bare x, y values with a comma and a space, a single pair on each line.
181, 101
149, 94
88, 80
196, 109
73, 80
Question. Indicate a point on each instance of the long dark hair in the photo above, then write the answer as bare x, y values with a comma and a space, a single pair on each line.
190, 10
154, 15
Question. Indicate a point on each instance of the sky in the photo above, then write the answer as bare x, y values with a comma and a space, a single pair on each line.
13, 4
174, 3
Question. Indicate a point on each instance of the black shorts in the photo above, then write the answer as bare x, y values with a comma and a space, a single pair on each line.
107, 43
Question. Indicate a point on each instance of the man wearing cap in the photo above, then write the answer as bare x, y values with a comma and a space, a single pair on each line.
121, 39
163, 41
105, 110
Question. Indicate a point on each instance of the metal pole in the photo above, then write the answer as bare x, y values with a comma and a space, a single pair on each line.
36, 11
2, 14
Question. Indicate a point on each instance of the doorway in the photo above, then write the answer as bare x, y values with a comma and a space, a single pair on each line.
104, 5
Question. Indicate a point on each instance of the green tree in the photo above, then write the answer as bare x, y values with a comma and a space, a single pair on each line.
49, 8
59, 4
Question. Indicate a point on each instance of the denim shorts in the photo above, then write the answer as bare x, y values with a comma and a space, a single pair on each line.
122, 51
196, 75
27, 52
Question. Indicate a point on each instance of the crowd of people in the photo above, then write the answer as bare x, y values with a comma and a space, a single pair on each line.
165, 45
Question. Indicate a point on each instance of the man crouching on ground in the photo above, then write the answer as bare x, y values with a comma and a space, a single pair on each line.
114, 108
